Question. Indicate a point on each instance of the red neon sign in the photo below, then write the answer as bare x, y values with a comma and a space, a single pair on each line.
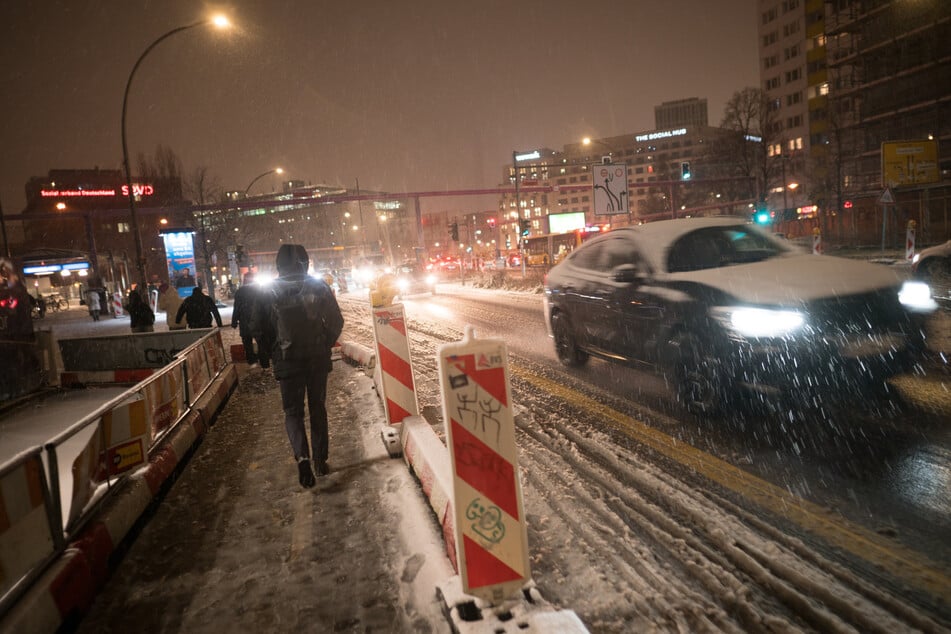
137, 189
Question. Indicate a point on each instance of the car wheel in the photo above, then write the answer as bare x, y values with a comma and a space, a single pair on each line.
566, 346
698, 377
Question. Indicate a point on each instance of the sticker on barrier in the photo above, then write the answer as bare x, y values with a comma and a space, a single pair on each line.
399, 390
126, 436
491, 536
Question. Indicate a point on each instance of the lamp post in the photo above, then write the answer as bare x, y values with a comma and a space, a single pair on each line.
140, 261
276, 170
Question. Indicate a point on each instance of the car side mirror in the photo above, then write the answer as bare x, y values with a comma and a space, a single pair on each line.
627, 274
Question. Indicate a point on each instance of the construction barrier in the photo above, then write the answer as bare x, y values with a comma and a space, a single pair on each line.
392, 352
816, 241
910, 241
491, 536
59, 527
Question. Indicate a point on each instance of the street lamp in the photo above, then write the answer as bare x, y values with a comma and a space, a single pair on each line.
276, 170
220, 22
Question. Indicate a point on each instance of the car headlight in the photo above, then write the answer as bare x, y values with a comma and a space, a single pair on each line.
430, 279
916, 296
760, 322
402, 284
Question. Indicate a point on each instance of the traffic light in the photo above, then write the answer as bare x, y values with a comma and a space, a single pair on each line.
761, 215
685, 170
526, 226
454, 231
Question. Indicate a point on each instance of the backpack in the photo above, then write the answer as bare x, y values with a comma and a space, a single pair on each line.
298, 315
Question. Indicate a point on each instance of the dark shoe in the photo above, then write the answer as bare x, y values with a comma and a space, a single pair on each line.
322, 468
307, 479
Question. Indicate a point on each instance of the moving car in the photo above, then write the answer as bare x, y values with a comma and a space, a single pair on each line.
720, 305
412, 278
933, 266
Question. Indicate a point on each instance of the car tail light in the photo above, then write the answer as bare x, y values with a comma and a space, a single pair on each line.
10, 302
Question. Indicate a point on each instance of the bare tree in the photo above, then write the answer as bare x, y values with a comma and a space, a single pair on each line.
749, 126
204, 189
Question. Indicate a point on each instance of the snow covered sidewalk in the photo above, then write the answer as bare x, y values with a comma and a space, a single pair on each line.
238, 545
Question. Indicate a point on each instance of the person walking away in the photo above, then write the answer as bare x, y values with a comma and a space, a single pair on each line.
141, 316
242, 317
92, 303
169, 301
302, 319
198, 309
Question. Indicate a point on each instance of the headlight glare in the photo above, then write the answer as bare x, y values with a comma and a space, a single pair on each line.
916, 296
761, 322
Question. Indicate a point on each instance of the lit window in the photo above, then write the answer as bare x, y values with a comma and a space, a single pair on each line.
123, 227
824, 88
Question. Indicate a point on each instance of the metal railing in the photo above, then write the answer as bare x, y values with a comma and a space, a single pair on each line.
49, 493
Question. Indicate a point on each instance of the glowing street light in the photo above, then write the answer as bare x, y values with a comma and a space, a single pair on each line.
218, 21
276, 170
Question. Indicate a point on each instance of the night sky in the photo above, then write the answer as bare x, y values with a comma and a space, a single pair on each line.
404, 95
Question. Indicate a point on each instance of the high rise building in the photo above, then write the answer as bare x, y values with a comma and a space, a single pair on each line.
846, 78
784, 76
680, 113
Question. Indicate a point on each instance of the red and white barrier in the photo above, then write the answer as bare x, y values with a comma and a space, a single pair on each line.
910, 241
491, 535
816, 241
392, 352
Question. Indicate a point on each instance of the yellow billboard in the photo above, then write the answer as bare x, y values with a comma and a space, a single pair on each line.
909, 163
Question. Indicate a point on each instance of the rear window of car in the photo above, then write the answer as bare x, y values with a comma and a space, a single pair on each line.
714, 247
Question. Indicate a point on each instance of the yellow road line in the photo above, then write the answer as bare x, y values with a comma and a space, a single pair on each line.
901, 562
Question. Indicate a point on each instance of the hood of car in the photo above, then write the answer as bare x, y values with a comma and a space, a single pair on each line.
794, 279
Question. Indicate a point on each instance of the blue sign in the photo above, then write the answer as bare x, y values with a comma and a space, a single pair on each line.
180, 256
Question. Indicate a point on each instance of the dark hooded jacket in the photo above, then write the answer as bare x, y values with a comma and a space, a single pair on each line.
317, 334
198, 309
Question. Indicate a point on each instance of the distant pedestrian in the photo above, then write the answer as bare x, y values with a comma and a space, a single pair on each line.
245, 299
92, 303
170, 301
301, 317
141, 317
198, 309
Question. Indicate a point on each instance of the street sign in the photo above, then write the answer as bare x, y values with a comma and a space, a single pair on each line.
910, 163
490, 531
610, 188
886, 198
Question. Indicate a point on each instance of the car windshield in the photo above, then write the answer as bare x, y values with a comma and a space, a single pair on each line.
714, 247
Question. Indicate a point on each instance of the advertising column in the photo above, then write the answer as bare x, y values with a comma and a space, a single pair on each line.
180, 257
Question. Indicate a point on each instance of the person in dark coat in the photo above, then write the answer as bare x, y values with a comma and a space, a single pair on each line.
141, 316
198, 309
242, 317
302, 319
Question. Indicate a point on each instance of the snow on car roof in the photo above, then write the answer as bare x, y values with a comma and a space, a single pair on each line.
655, 238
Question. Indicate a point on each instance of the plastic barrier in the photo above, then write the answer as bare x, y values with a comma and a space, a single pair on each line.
910, 241
62, 524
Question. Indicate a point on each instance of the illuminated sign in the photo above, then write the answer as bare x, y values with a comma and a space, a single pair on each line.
387, 205
528, 157
138, 190
661, 135
563, 223
48, 269
41, 269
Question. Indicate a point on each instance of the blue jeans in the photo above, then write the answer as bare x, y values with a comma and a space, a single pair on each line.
313, 384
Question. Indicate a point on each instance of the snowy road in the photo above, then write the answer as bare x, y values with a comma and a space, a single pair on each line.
642, 517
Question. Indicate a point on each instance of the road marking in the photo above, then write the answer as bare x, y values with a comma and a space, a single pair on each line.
837, 531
